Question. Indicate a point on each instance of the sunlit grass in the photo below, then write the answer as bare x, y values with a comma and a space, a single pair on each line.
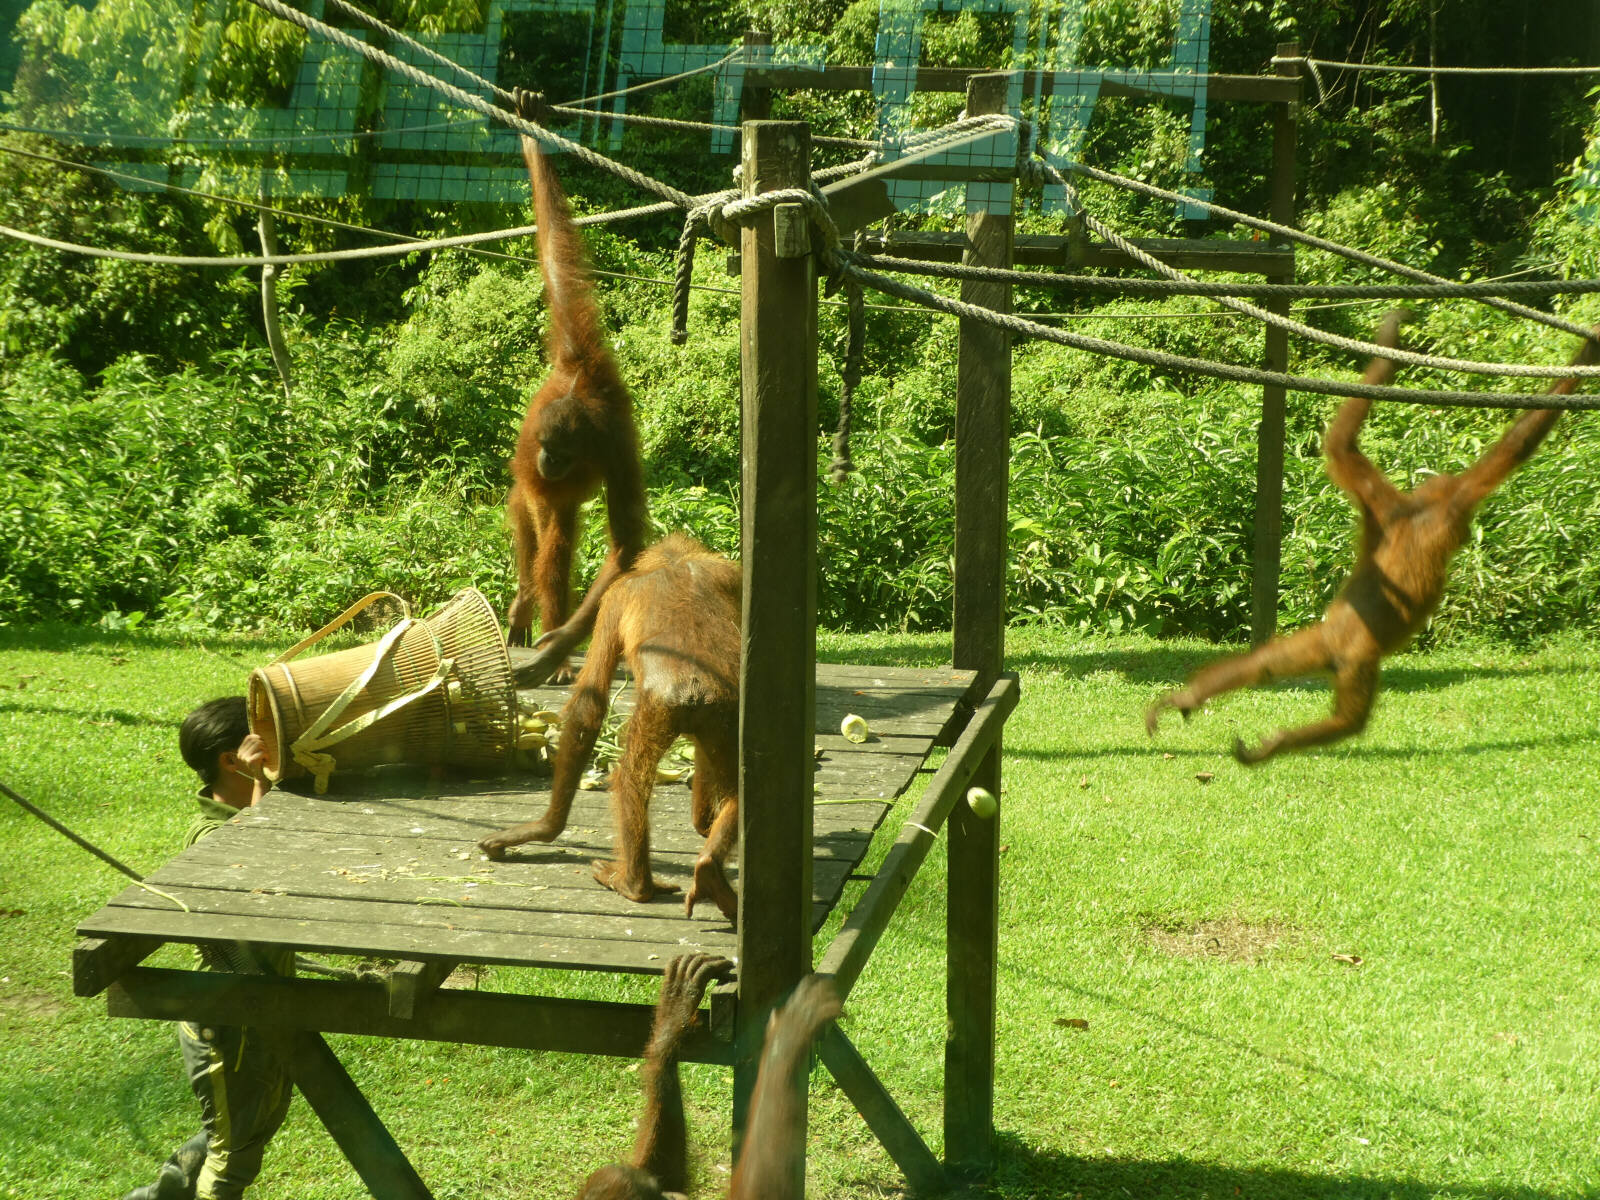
1205, 932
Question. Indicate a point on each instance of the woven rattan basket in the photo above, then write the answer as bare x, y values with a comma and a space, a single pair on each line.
430, 691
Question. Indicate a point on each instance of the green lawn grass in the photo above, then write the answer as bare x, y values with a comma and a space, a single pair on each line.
1193, 926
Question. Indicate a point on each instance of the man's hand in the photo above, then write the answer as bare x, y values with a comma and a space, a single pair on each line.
252, 763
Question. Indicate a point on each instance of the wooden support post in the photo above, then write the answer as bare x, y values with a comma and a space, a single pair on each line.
341, 1107
777, 670
755, 98
983, 458
1269, 436
882, 1115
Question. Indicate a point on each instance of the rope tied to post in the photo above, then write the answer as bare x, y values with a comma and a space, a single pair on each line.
722, 214
704, 217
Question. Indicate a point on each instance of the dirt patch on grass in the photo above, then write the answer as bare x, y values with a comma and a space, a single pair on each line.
1227, 938
28, 1005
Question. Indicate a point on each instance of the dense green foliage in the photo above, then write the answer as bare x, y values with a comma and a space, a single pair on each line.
152, 463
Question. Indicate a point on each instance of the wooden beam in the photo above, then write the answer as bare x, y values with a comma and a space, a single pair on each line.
983, 155
99, 962
411, 983
1257, 88
777, 669
1268, 555
983, 464
452, 1015
1052, 250
852, 947
882, 1115
346, 1114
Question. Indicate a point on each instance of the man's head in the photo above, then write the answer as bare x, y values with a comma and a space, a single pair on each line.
217, 727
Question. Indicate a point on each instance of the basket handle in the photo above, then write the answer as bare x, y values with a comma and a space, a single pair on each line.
308, 749
343, 619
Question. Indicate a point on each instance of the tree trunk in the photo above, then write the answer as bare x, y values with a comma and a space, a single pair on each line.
269, 297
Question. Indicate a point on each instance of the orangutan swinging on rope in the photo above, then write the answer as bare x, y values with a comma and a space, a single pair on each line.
1407, 542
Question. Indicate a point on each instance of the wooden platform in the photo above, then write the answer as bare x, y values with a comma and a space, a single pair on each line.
386, 865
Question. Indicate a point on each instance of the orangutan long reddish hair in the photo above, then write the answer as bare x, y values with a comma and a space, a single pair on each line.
578, 434
1407, 542
675, 618
769, 1163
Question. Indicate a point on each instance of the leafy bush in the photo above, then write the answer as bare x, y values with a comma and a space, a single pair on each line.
301, 570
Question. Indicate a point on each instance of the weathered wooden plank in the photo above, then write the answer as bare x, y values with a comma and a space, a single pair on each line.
573, 894
882, 767
530, 948
402, 820
909, 683
579, 909
393, 852
302, 851
469, 1017
884, 757
656, 922
96, 962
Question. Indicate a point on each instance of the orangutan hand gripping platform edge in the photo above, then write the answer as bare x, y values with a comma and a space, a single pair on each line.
772, 1146
578, 434
675, 618
1407, 542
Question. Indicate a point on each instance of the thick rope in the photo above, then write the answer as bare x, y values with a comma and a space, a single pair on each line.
703, 216
67, 833
416, 47
321, 256
1226, 371
476, 103
1296, 235
1194, 287
1369, 349
652, 83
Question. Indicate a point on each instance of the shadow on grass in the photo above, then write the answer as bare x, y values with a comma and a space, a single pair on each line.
1170, 667
1348, 749
1045, 981
61, 1120
84, 711
1024, 1172
932, 650
92, 639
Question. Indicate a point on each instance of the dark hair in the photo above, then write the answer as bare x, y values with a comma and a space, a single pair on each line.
214, 728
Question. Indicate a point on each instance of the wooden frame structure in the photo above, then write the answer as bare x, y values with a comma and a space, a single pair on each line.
777, 714
1274, 260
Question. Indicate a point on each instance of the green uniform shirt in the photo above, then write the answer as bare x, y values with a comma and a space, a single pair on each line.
213, 815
